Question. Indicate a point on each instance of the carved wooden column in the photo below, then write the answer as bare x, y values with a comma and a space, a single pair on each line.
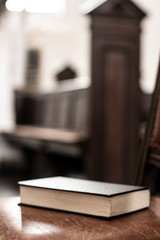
115, 91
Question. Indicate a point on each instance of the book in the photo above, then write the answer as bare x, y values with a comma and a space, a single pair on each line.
84, 196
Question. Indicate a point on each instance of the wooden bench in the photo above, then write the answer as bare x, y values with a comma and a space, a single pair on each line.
50, 123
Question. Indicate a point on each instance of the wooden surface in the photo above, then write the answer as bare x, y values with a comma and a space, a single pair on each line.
26, 223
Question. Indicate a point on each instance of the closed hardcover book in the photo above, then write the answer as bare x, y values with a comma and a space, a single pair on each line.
84, 196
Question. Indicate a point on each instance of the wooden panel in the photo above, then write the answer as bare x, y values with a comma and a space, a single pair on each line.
61, 109
115, 111
78, 110
116, 70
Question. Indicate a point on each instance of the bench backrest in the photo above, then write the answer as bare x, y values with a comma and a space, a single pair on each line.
60, 109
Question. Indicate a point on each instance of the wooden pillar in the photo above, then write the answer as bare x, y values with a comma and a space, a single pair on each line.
115, 99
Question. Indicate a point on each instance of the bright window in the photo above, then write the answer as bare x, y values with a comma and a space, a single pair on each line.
37, 6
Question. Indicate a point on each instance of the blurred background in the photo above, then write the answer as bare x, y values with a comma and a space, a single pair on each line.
49, 53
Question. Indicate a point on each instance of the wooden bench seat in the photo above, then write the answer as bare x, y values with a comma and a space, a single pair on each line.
52, 140
48, 134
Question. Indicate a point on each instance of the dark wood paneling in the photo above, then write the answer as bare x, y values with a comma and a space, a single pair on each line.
115, 94
116, 73
61, 109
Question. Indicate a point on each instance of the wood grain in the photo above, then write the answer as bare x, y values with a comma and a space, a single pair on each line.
28, 223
